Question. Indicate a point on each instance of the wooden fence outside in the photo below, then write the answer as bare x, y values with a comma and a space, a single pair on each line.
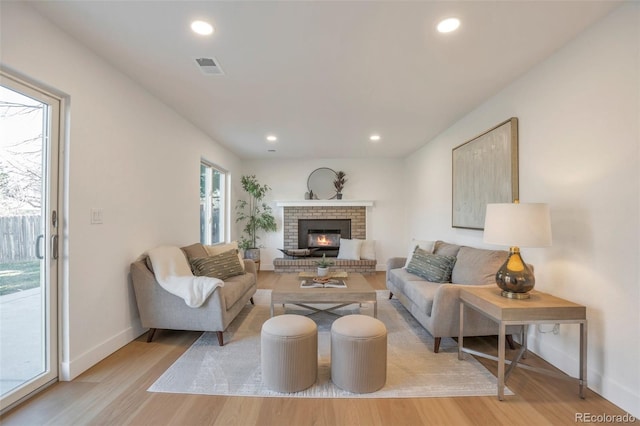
18, 235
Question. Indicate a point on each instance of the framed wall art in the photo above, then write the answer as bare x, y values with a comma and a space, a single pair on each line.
485, 170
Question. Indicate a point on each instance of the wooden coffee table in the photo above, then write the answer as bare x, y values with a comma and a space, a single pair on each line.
287, 290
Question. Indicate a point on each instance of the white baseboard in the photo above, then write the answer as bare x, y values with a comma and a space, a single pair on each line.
623, 397
69, 370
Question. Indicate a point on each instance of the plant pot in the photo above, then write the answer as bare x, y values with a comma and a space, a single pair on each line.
339, 196
323, 272
252, 253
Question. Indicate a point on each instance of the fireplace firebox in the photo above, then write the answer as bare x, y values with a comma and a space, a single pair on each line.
324, 238
323, 235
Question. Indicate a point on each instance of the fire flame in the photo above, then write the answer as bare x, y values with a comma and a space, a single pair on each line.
323, 241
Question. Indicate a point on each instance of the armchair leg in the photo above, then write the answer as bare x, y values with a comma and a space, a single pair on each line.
152, 331
220, 338
436, 344
251, 300
390, 294
509, 338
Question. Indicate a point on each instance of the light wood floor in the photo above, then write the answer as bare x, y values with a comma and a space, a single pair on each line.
114, 393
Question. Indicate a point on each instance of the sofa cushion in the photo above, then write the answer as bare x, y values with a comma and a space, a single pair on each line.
446, 249
423, 244
399, 278
477, 266
194, 250
432, 267
222, 266
422, 294
235, 287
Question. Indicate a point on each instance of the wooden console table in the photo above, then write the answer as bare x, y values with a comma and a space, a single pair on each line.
541, 308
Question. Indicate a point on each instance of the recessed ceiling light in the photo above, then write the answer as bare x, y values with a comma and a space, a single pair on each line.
448, 25
202, 28
374, 138
272, 138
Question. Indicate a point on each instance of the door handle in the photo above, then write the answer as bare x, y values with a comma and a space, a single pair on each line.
38, 254
54, 246
54, 237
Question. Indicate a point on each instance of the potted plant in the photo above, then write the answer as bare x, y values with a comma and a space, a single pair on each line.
323, 266
257, 215
338, 183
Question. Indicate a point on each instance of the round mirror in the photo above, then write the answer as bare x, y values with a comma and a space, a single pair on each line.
321, 183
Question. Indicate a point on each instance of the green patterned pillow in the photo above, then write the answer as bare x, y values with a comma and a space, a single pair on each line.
222, 266
432, 267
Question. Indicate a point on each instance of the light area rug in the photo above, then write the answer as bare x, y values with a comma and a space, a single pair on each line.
413, 370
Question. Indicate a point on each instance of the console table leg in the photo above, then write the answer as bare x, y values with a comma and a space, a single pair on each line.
501, 355
583, 358
461, 333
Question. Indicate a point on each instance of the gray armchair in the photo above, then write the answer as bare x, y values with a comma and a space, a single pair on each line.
160, 309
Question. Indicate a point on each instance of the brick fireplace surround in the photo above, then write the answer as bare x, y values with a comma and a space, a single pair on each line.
332, 210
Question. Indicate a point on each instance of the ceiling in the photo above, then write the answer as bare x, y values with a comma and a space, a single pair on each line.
324, 75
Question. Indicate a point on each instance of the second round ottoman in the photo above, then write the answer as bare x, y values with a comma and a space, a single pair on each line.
289, 353
359, 353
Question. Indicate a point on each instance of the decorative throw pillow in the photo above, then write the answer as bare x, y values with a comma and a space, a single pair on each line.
220, 248
194, 250
368, 250
349, 249
222, 266
432, 267
423, 244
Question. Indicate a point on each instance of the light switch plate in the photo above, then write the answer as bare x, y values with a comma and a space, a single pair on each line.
96, 216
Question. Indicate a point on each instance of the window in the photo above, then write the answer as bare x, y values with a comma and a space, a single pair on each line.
212, 203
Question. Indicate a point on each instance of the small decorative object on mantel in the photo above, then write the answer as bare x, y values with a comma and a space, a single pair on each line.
338, 183
323, 266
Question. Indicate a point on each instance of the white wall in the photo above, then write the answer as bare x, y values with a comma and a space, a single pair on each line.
379, 180
579, 115
128, 154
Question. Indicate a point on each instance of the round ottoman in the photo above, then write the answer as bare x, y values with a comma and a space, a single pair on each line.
289, 353
358, 353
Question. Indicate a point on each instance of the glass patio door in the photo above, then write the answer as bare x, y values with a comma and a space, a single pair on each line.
29, 133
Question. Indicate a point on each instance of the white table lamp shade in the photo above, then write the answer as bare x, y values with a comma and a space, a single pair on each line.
520, 225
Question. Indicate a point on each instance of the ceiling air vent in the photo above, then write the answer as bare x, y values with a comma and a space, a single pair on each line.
209, 66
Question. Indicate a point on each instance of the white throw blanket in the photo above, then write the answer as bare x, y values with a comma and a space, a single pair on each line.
173, 273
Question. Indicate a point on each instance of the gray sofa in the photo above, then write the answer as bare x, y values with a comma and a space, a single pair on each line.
160, 309
436, 305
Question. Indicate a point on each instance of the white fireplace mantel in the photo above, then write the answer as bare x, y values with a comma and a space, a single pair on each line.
325, 203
